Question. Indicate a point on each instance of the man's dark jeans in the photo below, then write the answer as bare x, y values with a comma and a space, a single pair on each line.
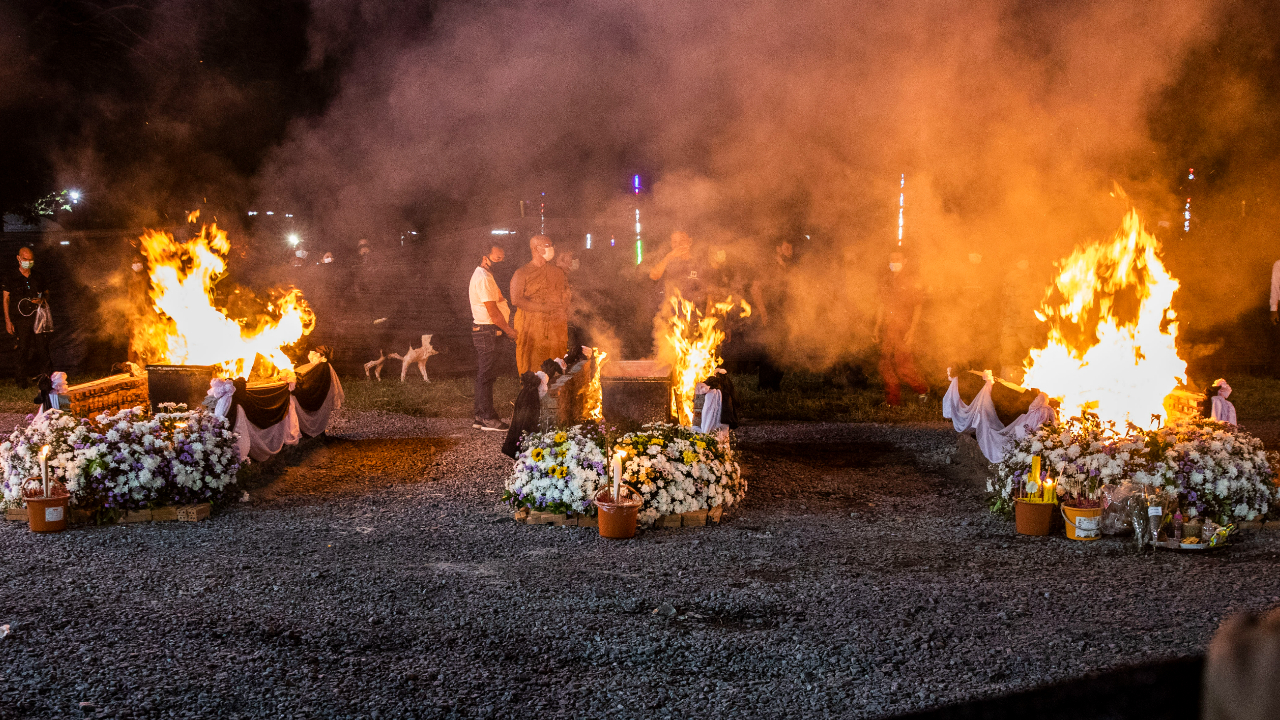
485, 338
33, 350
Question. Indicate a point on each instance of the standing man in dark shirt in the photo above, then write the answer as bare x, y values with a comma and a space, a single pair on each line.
24, 292
895, 329
682, 269
770, 297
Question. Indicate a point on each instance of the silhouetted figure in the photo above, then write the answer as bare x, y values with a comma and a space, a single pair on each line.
25, 292
896, 321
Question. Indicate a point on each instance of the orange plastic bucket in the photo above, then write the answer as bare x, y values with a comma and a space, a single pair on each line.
1083, 523
1033, 518
617, 520
47, 514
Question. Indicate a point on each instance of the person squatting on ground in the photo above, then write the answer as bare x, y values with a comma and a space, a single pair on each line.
490, 317
25, 290
540, 292
896, 320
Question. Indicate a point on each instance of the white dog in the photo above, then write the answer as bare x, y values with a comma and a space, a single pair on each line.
418, 356
376, 366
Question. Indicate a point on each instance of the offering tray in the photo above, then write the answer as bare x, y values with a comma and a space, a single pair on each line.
1197, 547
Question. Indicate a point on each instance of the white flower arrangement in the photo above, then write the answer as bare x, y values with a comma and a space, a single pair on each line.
677, 470
558, 471
128, 460
1215, 469
70, 442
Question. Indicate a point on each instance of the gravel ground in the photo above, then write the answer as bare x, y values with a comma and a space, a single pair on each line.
855, 582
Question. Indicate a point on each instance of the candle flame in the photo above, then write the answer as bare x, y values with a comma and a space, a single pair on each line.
44, 451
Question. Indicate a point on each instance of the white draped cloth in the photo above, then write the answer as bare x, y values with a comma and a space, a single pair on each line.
262, 443
994, 438
1222, 409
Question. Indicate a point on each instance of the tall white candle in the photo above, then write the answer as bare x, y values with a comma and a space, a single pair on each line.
617, 475
44, 468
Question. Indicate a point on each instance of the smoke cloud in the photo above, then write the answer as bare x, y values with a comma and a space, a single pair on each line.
757, 122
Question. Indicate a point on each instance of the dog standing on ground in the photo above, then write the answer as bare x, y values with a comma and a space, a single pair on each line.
416, 356
376, 366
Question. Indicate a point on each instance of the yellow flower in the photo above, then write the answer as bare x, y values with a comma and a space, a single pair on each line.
656, 441
561, 437
702, 445
536, 454
689, 457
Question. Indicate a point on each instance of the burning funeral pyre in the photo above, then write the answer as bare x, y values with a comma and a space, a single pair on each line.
690, 342
1112, 330
188, 329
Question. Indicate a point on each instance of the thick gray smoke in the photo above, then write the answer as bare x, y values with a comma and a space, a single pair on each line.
761, 121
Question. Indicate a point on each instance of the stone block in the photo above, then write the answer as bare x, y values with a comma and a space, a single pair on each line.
78, 516
521, 515
544, 518
695, 518
714, 514
134, 516
168, 513
590, 521
16, 514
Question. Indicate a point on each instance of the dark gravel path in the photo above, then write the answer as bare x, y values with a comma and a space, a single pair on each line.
855, 582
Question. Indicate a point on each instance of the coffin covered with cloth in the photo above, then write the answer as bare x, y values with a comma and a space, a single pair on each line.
998, 412
268, 416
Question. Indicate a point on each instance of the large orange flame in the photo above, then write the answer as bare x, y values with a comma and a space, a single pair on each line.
593, 406
692, 338
1112, 331
191, 331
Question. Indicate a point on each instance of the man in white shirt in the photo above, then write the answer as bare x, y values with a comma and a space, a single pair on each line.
490, 319
1275, 293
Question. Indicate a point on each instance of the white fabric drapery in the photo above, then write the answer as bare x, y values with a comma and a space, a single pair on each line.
262, 443
1222, 409
711, 407
994, 438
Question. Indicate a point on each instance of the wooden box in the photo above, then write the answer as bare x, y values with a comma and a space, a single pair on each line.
696, 518
194, 513
134, 516
108, 395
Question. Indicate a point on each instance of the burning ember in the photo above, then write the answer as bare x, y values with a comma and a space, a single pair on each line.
1112, 332
692, 338
191, 331
593, 406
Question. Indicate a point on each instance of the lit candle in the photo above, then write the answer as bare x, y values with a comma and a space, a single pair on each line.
1035, 470
617, 475
44, 468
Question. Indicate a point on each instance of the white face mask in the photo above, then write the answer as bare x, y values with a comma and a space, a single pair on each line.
328, 260
137, 267
27, 264
548, 253
895, 267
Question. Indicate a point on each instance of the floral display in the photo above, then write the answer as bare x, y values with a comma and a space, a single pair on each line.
559, 471
126, 461
1215, 469
677, 470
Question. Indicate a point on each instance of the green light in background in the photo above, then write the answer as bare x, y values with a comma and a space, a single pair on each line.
639, 252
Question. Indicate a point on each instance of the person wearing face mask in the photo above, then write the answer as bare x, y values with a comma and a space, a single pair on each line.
897, 318
25, 290
1020, 297
540, 292
490, 318
682, 269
